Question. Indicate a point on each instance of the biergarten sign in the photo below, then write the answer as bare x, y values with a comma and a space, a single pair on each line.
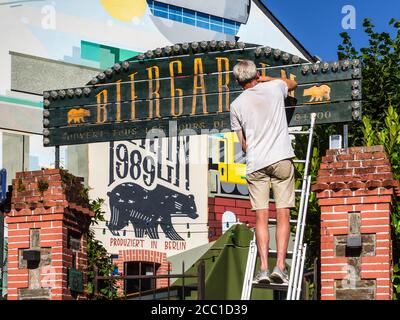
187, 89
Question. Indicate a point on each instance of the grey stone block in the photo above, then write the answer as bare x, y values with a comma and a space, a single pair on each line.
362, 290
34, 294
367, 249
35, 238
354, 222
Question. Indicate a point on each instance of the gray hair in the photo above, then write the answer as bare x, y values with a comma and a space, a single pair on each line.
245, 71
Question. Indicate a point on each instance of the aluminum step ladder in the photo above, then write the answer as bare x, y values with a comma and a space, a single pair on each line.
298, 254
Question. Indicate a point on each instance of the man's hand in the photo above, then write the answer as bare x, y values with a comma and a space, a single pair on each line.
292, 84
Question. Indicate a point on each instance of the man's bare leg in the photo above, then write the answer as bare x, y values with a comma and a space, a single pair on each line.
262, 237
282, 235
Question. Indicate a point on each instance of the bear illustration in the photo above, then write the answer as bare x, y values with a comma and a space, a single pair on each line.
147, 209
318, 93
77, 115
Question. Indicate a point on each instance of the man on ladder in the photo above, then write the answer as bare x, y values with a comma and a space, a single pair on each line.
259, 119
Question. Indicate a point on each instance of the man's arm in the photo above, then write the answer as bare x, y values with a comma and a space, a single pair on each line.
236, 127
292, 84
242, 140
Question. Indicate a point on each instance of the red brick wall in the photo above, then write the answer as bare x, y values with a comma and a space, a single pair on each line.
53, 215
356, 181
240, 207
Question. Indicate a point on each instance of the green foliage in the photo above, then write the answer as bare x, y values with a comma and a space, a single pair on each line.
20, 186
389, 137
42, 186
381, 103
369, 134
98, 258
381, 70
396, 279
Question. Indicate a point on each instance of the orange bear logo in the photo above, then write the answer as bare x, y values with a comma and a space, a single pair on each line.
318, 94
77, 115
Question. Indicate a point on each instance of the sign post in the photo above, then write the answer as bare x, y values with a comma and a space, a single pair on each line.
57, 157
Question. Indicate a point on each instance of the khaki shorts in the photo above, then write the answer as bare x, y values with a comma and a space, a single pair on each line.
280, 176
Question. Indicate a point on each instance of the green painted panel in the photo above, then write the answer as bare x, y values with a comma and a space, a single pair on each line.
107, 57
75, 280
127, 54
104, 55
90, 51
25, 102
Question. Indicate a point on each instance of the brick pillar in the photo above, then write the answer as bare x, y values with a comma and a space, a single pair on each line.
47, 228
355, 187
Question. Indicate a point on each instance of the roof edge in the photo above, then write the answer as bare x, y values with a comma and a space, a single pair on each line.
285, 31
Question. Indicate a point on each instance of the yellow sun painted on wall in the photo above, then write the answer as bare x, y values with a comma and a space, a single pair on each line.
124, 10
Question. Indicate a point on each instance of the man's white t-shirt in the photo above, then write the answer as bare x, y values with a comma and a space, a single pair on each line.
260, 113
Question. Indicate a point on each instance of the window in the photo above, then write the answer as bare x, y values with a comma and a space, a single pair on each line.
140, 268
189, 17
198, 19
222, 151
229, 31
217, 21
175, 13
161, 13
203, 17
216, 28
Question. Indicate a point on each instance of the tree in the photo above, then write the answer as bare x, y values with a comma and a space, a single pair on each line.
381, 73
381, 104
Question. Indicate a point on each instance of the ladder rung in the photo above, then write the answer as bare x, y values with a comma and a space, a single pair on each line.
274, 253
273, 221
297, 190
299, 161
273, 286
299, 132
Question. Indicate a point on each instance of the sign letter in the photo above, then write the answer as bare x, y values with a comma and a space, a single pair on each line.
263, 70
173, 89
292, 77
118, 85
223, 85
154, 94
198, 73
133, 96
102, 98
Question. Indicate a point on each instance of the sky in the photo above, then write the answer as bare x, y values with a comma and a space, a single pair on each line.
317, 24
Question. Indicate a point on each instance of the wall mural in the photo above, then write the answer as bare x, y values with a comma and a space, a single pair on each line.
227, 166
155, 191
129, 202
